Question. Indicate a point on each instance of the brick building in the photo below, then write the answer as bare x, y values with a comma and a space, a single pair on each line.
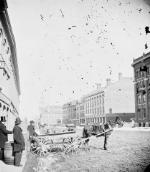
141, 67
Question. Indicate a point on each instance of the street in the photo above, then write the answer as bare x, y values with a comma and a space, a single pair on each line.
127, 151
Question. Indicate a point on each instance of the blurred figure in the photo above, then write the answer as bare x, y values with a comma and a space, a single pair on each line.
3, 136
31, 130
107, 132
19, 142
85, 132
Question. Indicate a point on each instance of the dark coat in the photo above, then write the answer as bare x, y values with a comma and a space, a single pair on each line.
19, 142
3, 134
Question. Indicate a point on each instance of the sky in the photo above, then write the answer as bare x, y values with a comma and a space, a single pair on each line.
65, 47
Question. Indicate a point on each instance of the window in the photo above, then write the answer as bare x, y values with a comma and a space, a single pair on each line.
139, 113
139, 99
144, 98
136, 74
144, 112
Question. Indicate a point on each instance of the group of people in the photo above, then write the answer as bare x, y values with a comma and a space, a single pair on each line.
19, 142
18, 138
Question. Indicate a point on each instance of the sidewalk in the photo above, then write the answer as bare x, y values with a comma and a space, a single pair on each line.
10, 168
133, 129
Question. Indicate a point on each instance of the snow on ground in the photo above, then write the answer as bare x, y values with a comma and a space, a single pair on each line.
128, 151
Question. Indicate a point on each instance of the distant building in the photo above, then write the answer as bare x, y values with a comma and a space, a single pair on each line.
50, 115
141, 67
80, 115
94, 107
119, 99
9, 76
103, 104
69, 112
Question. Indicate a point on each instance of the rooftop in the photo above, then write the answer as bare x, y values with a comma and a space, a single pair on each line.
141, 58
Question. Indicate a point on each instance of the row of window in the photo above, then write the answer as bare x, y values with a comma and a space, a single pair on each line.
4, 42
142, 71
95, 102
80, 108
141, 99
95, 111
98, 98
141, 84
4, 107
95, 120
5, 54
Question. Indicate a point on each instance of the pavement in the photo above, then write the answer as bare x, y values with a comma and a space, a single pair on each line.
128, 151
133, 129
10, 168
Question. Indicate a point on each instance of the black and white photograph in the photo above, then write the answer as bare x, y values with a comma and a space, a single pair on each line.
74, 85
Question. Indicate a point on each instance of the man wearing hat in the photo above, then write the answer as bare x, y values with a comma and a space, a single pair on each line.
19, 142
3, 136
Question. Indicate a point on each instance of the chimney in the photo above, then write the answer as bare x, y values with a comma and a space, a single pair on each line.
119, 76
98, 85
108, 81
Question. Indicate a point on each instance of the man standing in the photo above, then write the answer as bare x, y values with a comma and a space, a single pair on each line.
107, 132
31, 130
3, 136
19, 142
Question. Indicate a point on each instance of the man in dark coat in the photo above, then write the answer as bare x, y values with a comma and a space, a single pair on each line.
3, 136
107, 129
19, 142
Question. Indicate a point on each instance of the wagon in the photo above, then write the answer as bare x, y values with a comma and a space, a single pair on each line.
42, 145
66, 142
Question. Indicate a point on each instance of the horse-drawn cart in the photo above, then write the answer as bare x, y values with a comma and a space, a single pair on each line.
42, 145
66, 142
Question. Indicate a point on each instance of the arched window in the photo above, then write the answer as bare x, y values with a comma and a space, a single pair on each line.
4, 107
7, 109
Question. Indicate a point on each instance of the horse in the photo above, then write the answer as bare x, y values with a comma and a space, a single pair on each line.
99, 130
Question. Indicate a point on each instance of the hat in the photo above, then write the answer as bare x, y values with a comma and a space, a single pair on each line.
3, 119
18, 121
31, 122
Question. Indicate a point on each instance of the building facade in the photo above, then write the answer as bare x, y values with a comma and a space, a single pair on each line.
50, 114
104, 104
9, 76
94, 107
69, 113
80, 115
88, 110
141, 67
119, 99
